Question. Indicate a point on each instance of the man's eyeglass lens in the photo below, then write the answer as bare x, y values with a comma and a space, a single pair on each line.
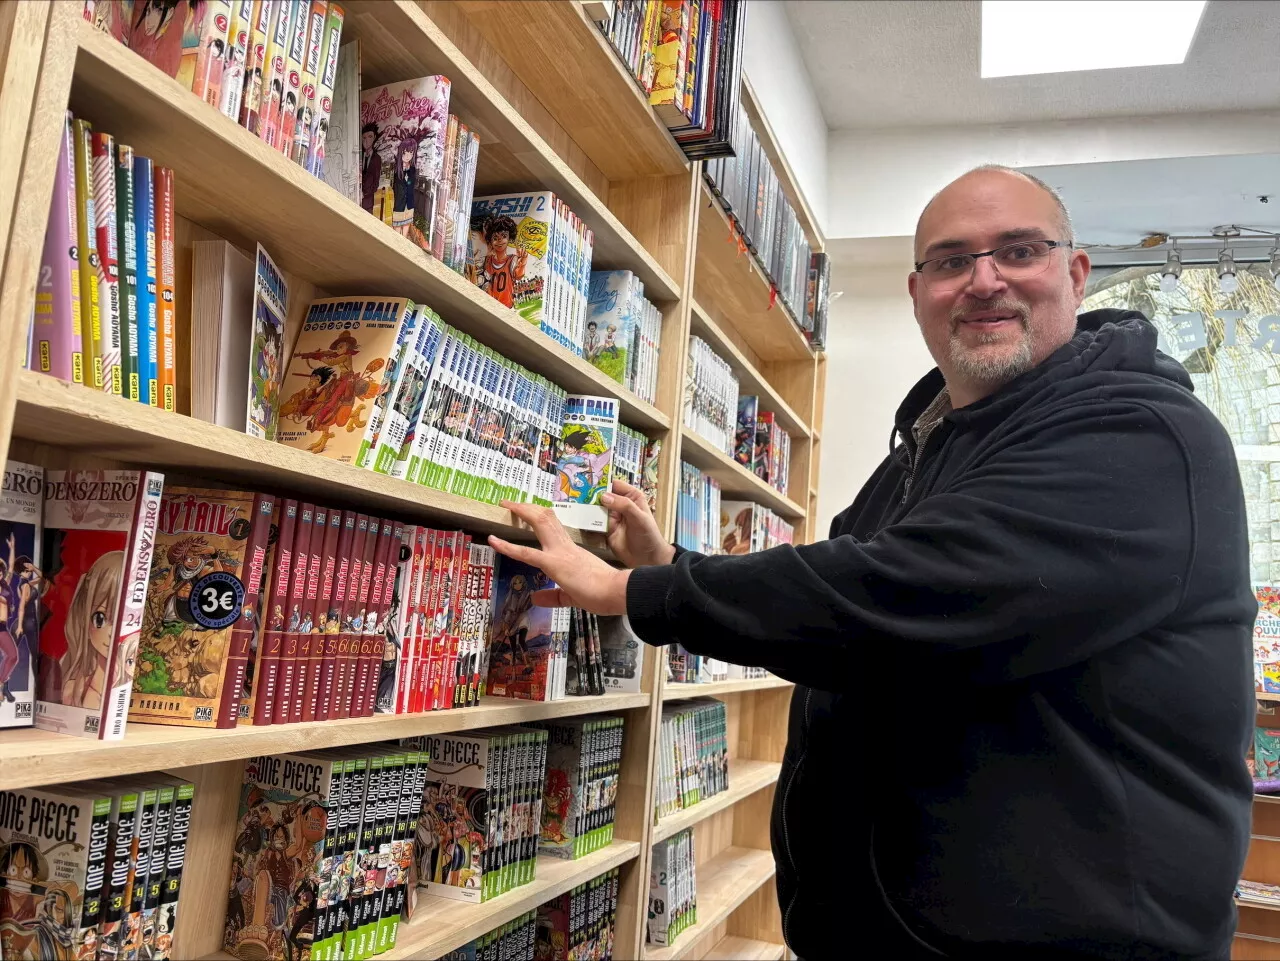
1014, 262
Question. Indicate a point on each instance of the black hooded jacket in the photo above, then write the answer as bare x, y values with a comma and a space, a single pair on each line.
1024, 673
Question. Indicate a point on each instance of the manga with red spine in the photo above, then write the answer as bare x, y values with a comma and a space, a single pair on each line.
413, 601
453, 657
306, 629
387, 666
371, 634
391, 692
246, 631
288, 671
322, 612
257, 599
353, 611
276, 602
337, 597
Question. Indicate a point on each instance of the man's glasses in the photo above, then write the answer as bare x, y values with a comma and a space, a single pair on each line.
1018, 261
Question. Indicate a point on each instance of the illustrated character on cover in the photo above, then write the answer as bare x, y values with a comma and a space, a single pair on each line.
404, 185
253, 84
582, 470
295, 618
217, 49
610, 345
79, 677
319, 138
428, 835
591, 343
557, 802
266, 368
511, 619
370, 165
156, 34
240, 887
189, 559
502, 266
333, 395
256, 823
54, 930
274, 872
21, 585
302, 916
387, 677
164, 930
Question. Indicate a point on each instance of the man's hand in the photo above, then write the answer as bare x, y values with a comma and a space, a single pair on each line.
633, 533
585, 580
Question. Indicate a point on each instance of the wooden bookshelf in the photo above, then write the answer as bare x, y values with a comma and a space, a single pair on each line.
781, 166
745, 778
735, 480
1256, 905
574, 123
724, 883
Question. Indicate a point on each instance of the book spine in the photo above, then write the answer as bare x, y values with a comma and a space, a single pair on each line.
255, 62
156, 869
207, 81
320, 606
337, 602
359, 608
165, 310
127, 245
242, 632
308, 91
274, 620
144, 225
95, 879
307, 637
381, 694
120, 866
133, 593
317, 137
175, 862
104, 207
351, 600
56, 346
371, 638
231, 94
273, 70
449, 687
299, 31
131, 935
287, 673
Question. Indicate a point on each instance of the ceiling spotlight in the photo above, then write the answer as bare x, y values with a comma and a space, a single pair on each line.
1172, 271
1228, 282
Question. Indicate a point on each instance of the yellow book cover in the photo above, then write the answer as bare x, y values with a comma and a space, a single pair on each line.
336, 373
669, 56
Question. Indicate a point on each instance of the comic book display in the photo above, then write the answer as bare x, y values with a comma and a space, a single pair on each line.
266, 353
99, 534
711, 396
746, 527
583, 763
402, 131
585, 461
22, 585
693, 755
623, 331
194, 652
673, 889
698, 511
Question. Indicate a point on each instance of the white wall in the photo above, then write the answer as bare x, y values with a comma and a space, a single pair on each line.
875, 354
880, 180
778, 75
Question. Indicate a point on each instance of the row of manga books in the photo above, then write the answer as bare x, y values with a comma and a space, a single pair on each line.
711, 395
635, 462
673, 889
817, 299
435, 407
575, 926
693, 755
269, 65
698, 511
583, 769
93, 871
747, 187
479, 829
323, 858
531, 253
686, 668
687, 56
747, 527
104, 311
761, 445
623, 332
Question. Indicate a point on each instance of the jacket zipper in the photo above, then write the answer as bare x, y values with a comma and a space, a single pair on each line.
786, 835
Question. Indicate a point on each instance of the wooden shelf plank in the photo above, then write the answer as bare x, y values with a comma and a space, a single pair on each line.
733, 948
786, 176
746, 777
399, 41
30, 757
52, 411
733, 286
310, 229
672, 691
735, 480
724, 882
1266, 799
440, 925
750, 380
584, 86
1260, 696
1244, 903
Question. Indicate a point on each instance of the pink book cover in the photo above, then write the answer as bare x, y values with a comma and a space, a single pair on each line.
212, 53
55, 345
157, 32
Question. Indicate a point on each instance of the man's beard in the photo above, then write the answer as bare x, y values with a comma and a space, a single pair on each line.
984, 367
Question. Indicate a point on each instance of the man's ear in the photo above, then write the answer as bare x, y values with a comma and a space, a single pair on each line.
1078, 267
913, 282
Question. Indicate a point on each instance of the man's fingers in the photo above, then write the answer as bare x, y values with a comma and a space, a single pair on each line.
631, 493
528, 555
544, 522
551, 597
625, 506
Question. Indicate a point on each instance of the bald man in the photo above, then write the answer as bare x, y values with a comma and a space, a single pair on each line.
1023, 658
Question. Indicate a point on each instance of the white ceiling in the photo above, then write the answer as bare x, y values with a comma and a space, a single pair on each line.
1119, 203
906, 63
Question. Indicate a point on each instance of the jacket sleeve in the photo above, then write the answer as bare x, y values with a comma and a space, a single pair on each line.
1068, 538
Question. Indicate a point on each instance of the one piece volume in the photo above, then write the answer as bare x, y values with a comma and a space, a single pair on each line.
166, 796
330, 404
56, 342
175, 862
100, 528
127, 245
21, 587
266, 353
104, 207
459, 802
274, 605
148, 332
166, 278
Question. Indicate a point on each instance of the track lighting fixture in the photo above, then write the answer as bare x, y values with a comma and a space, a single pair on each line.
1172, 271
1228, 282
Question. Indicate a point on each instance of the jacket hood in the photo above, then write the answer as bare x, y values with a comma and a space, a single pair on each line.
1106, 339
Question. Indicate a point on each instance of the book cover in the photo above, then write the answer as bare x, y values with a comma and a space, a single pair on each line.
454, 833
744, 437
406, 337
56, 338
211, 53
336, 595
252, 623
261, 22
621, 656
148, 331
336, 151
156, 32
99, 535
166, 318
583, 466
509, 250
270, 306
22, 585
127, 246
307, 544
331, 392
406, 122
320, 606
312, 156
291, 91
611, 322
520, 638
231, 92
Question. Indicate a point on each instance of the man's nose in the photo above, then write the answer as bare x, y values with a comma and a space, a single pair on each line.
986, 281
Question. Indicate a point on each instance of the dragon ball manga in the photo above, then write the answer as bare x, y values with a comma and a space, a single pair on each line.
402, 133
21, 586
270, 306
336, 374
520, 644
49, 839
584, 464
194, 651
99, 534
285, 806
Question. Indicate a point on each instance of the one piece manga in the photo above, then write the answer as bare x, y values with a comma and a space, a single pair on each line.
584, 465
99, 534
456, 816
190, 671
520, 643
266, 355
407, 123
21, 587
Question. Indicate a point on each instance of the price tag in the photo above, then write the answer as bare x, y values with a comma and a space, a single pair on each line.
216, 600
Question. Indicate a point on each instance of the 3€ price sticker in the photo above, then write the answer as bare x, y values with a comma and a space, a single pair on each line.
216, 600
